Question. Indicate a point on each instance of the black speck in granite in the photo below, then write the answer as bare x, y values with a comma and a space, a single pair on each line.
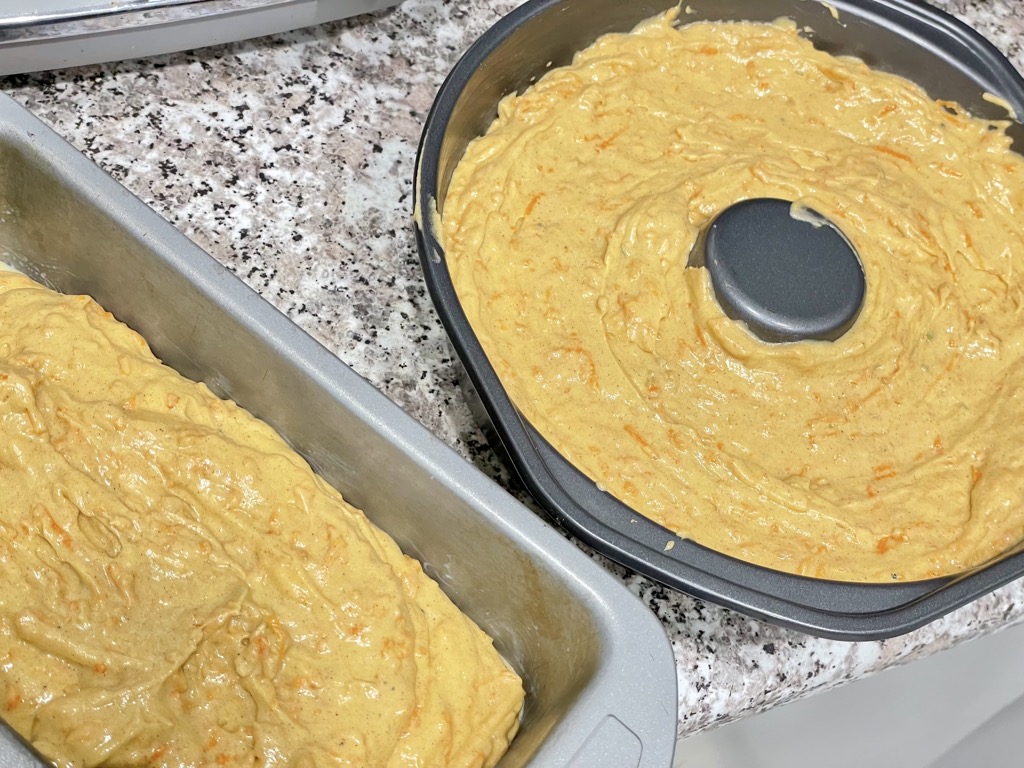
290, 159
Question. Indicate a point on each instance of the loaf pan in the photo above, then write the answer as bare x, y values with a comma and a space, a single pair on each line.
597, 666
912, 39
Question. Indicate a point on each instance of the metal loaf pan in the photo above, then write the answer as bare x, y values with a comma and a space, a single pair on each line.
907, 37
598, 668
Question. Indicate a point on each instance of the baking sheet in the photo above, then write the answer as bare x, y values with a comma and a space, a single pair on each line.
21, 12
54, 34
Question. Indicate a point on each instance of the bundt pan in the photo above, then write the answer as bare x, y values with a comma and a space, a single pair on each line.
909, 38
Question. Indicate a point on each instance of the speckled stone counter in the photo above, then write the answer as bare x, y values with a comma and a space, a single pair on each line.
290, 159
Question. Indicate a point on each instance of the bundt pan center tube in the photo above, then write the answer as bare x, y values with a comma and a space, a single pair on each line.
911, 39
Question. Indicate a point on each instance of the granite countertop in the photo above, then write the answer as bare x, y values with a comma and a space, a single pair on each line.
290, 160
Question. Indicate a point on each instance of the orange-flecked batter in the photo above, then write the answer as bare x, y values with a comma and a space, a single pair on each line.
179, 588
892, 453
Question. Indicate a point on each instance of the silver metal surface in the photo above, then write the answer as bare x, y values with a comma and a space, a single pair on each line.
65, 33
21, 12
598, 668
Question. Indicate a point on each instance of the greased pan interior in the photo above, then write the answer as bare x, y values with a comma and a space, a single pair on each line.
597, 665
947, 58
